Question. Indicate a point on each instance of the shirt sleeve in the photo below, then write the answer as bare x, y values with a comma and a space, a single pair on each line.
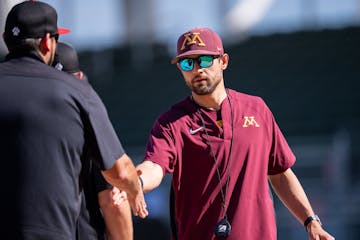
281, 156
160, 147
105, 144
100, 183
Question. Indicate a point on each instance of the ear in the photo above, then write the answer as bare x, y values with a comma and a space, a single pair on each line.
225, 61
178, 66
79, 75
4, 38
45, 44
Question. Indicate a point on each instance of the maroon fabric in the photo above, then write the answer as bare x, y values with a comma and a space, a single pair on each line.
199, 41
259, 149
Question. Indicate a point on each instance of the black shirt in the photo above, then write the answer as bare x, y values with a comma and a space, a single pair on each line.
47, 122
91, 224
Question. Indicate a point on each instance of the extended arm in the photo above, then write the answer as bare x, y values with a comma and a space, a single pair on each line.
151, 175
123, 175
289, 190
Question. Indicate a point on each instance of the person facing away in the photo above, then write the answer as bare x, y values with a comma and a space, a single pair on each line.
222, 147
48, 122
98, 194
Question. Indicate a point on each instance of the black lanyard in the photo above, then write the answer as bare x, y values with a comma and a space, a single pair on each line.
222, 229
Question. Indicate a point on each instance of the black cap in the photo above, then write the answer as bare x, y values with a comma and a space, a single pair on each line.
32, 19
66, 58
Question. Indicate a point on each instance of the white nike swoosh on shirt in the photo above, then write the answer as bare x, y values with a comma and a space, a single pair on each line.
195, 131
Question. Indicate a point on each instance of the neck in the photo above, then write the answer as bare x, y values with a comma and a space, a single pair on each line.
211, 101
44, 57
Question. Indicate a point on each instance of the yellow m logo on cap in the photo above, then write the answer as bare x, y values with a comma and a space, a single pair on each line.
191, 39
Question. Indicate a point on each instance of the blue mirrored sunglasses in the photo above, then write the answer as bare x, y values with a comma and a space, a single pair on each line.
205, 61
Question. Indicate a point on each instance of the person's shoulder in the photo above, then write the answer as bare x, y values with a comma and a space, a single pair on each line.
182, 105
245, 99
32, 67
177, 111
247, 103
69, 81
66, 83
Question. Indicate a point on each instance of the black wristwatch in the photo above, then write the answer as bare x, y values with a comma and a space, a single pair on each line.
311, 218
141, 183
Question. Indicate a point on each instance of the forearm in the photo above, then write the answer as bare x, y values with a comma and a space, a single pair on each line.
117, 218
123, 175
291, 193
151, 175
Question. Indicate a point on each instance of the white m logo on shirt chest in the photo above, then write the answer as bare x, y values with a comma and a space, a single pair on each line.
250, 121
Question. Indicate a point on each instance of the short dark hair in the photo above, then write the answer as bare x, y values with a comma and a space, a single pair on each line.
22, 45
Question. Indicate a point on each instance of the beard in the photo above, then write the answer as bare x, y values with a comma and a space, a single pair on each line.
52, 57
203, 88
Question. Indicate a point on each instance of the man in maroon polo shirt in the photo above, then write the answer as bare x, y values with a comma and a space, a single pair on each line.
222, 147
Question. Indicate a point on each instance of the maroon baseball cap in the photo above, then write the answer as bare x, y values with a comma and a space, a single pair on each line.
202, 41
32, 19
